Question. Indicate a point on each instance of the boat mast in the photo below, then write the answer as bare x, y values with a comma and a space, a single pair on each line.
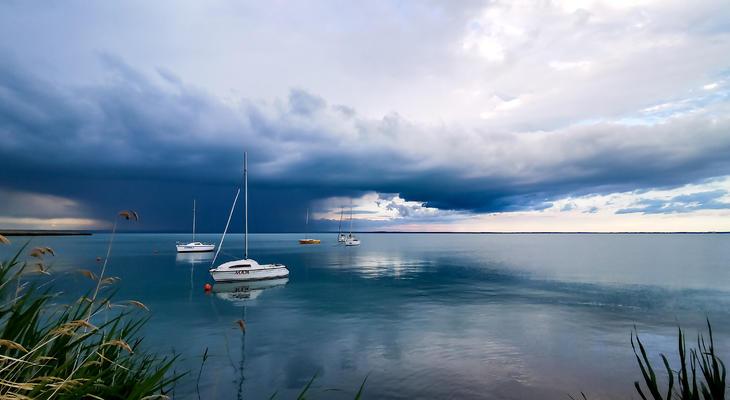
306, 225
339, 229
193, 220
245, 202
350, 220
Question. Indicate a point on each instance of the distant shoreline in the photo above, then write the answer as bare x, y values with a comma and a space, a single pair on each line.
29, 232
446, 232
558, 233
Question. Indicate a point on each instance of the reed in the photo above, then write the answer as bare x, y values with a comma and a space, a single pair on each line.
47, 351
709, 383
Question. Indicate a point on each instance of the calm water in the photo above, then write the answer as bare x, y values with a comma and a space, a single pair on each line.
422, 316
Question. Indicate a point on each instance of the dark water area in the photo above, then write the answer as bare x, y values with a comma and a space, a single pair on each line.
422, 316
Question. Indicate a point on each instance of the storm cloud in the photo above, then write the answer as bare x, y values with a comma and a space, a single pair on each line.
151, 139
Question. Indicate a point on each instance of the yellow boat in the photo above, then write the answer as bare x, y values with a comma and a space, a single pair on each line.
308, 240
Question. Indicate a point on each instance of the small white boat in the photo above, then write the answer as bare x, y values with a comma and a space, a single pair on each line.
351, 239
194, 246
245, 269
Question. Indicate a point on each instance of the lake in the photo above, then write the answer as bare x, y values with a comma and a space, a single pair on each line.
508, 316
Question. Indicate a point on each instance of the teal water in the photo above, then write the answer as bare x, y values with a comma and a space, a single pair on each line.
421, 315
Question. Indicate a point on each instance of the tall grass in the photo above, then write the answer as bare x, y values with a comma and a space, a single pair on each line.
709, 383
49, 351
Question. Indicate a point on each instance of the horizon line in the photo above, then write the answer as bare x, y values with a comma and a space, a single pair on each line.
40, 232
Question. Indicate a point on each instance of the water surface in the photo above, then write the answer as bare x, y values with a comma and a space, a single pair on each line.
421, 315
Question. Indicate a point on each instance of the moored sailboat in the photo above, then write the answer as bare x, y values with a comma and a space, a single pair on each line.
194, 246
341, 236
245, 269
308, 240
351, 239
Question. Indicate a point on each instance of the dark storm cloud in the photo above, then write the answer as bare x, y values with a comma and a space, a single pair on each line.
153, 142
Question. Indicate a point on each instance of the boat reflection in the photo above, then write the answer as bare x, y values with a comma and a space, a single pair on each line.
244, 291
193, 258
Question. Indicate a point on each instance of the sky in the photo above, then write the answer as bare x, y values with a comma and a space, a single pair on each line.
469, 116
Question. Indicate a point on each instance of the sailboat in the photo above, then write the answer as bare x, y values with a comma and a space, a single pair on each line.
193, 246
308, 240
245, 269
341, 236
351, 239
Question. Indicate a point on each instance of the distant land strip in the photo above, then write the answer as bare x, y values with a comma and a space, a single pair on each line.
467, 233
21, 232
553, 233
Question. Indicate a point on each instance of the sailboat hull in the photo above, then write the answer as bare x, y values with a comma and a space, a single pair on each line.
194, 247
309, 241
247, 271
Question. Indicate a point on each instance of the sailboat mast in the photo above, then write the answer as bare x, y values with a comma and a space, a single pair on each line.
339, 228
350, 221
193, 220
245, 202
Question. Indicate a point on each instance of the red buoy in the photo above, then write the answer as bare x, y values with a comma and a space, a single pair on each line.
207, 287
155, 251
98, 259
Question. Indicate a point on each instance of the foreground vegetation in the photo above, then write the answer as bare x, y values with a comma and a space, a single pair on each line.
708, 383
56, 351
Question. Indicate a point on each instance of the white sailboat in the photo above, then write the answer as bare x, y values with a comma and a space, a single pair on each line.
341, 236
245, 269
193, 246
351, 239
308, 240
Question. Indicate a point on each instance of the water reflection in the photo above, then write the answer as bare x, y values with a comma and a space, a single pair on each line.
244, 291
193, 258
374, 264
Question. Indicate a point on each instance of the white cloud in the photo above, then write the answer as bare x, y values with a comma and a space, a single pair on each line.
420, 56
569, 65
374, 206
612, 203
591, 213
